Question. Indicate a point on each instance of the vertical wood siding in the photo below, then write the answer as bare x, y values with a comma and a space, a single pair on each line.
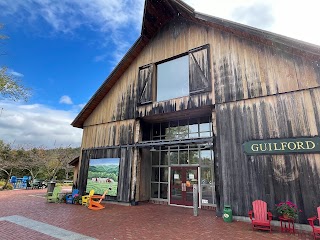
125, 175
241, 69
272, 178
145, 175
125, 155
245, 70
109, 134
248, 80
121, 101
175, 105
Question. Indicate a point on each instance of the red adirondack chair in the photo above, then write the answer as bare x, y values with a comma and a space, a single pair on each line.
315, 229
260, 217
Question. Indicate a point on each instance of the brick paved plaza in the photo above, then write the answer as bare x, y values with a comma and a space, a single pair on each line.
25, 214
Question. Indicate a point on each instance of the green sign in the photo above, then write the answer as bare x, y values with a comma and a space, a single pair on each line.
282, 146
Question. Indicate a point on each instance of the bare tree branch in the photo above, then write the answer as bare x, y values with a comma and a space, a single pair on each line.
11, 86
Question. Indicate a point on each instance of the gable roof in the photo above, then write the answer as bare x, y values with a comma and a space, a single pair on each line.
74, 162
159, 12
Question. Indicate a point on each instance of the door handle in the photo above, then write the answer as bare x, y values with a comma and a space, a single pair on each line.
183, 187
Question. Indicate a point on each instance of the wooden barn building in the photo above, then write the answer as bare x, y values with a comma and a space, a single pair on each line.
202, 100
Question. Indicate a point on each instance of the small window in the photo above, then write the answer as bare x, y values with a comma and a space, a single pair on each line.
146, 74
182, 129
173, 79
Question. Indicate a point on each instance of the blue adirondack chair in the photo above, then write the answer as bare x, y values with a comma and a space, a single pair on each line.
70, 197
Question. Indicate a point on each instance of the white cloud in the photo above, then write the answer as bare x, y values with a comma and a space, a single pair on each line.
115, 19
118, 19
101, 57
81, 105
296, 19
257, 15
37, 125
66, 100
14, 73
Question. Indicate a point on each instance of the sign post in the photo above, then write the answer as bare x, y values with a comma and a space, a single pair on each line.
195, 200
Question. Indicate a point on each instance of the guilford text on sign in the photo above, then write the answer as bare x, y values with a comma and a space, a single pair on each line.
282, 146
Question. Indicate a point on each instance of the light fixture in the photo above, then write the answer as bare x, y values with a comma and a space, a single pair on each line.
153, 149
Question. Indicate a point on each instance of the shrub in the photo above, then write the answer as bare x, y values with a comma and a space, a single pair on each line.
9, 186
63, 198
77, 199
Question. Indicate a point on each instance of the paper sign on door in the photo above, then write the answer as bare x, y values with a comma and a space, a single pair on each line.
176, 176
191, 176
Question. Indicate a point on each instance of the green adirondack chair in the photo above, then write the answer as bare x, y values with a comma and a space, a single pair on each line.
54, 196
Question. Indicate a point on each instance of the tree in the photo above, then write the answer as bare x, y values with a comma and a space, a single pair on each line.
59, 158
32, 160
10, 85
36, 160
2, 37
7, 162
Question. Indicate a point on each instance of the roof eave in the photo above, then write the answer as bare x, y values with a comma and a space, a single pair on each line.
77, 121
178, 6
274, 37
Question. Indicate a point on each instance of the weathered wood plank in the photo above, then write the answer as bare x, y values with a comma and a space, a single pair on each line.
145, 84
241, 69
145, 175
199, 72
273, 178
125, 175
245, 70
109, 134
174, 105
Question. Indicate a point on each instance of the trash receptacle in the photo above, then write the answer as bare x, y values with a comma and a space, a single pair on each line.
227, 213
51, 186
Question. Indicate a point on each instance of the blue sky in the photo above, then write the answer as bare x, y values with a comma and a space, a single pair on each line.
64, 50
69, 53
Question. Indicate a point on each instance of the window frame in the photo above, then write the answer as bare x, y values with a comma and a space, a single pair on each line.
154, 80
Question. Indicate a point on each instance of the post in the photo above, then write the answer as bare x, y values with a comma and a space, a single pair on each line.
195, 200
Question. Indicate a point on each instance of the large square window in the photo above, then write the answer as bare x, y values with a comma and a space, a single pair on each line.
173, 79
183, 75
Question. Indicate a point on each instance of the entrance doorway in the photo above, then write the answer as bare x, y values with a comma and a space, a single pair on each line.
182, 180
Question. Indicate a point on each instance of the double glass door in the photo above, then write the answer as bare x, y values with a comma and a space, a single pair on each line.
182, 180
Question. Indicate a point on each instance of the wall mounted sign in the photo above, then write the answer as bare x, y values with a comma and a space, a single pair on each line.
282, 146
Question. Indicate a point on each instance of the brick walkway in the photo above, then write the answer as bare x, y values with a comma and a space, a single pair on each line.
117, 222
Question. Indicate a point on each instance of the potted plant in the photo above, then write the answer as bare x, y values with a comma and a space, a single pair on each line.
62, 198
288, 210
77, 199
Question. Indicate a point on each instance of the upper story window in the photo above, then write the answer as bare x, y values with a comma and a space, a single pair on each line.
183, 75
173, 79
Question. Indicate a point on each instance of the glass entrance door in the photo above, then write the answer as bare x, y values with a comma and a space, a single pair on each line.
181, 185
